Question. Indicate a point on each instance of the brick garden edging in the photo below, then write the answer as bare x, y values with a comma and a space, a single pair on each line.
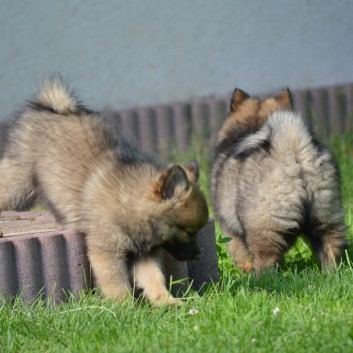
37, 256
161, 128
156, 128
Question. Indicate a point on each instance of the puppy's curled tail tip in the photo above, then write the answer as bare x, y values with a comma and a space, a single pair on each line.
55, 96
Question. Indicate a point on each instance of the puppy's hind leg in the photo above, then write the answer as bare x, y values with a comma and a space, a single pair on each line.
149, 277
328, 244
326, 227
17, 185
268, 248
240, 254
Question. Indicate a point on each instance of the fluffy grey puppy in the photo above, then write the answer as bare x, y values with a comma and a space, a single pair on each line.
272, 181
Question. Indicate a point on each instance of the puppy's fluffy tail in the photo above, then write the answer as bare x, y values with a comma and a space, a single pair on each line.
55, 96
284, 131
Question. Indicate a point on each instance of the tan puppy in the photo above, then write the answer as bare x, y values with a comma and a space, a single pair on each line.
271, 181
128, 205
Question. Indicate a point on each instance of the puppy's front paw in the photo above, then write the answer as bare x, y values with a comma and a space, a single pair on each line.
166, 300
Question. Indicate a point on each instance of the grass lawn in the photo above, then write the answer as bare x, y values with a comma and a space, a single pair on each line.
296, 308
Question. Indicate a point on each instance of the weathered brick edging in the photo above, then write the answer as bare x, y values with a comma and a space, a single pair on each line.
328, 109
37, 256
156, 128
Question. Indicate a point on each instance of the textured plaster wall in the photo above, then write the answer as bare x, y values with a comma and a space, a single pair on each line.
141, 52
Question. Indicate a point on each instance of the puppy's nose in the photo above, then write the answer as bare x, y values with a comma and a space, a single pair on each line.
196, 254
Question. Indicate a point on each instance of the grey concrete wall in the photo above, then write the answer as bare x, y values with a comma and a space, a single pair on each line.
138, 52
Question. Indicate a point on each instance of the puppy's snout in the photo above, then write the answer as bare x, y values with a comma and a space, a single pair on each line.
197, 257
197, 253
194, 253
183, 251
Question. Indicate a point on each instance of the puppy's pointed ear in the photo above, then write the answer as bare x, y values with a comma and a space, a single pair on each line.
172, 181
238, 97
285, 100
192, 170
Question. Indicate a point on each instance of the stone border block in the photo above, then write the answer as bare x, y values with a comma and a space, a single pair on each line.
37, 257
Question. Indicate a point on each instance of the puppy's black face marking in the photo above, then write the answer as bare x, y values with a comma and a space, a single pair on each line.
183, 251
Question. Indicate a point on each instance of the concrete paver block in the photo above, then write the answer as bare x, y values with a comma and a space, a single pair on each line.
39, 257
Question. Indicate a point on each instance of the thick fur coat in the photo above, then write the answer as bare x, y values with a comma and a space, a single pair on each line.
272, 181
128, 204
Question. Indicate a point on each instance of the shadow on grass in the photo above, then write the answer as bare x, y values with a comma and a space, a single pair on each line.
293, 279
